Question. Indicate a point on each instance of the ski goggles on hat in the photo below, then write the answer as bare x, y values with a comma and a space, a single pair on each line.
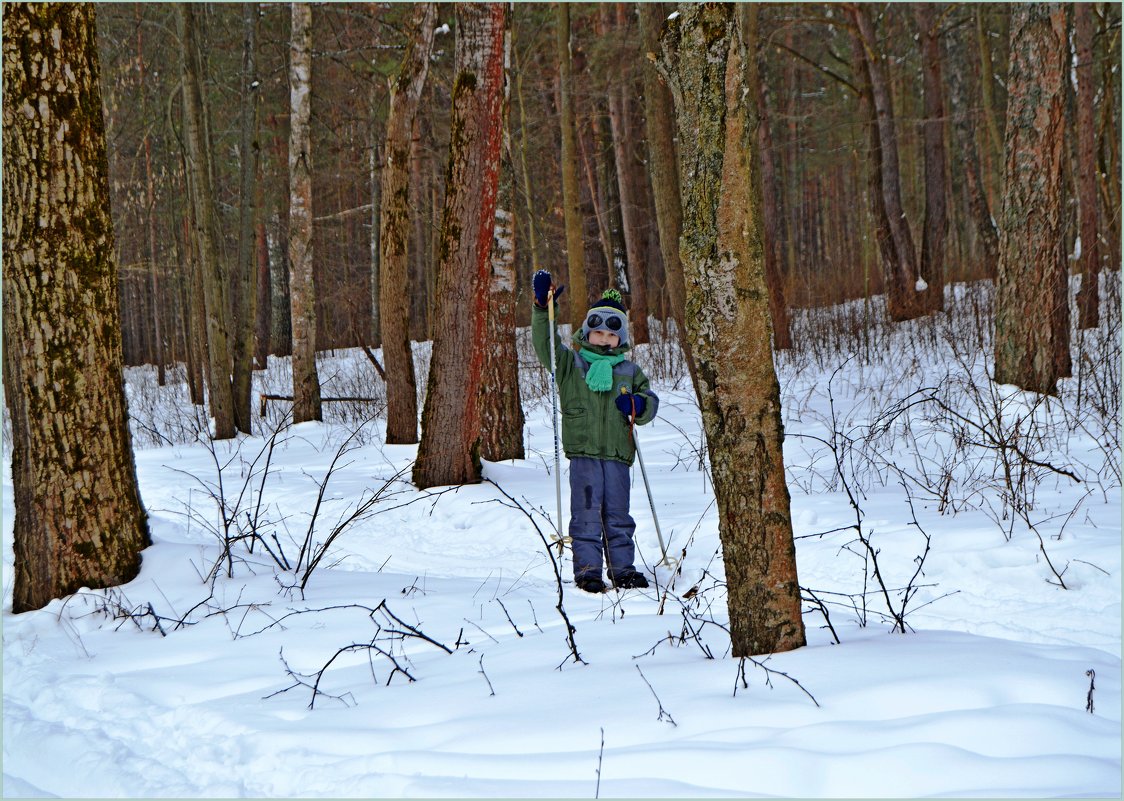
605, 321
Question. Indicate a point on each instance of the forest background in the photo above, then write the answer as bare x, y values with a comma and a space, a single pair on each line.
814, 143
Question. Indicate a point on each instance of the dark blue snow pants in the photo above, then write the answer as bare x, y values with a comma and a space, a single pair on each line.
599, 500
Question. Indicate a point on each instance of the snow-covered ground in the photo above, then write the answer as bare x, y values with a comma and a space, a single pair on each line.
432, 633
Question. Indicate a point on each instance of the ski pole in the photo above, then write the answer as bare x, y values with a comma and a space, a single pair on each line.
554, 420
665, 560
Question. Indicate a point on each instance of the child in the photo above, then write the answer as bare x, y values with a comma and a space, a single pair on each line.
602, 394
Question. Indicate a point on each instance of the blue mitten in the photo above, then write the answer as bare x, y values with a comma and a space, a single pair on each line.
631, 406
541, 284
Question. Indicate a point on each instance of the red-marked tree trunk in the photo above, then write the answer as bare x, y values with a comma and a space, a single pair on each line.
449, 452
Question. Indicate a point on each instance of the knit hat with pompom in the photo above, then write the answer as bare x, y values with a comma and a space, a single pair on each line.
607, 314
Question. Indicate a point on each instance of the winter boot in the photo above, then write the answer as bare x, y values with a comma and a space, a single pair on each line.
630, 581
590, 584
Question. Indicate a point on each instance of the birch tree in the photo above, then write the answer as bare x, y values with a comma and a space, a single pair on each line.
302, 287
728, 322
79, 521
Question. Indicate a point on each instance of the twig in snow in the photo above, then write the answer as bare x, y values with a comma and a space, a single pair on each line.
485, 675
1092, 674
600, 757
768, 677
664, 714
509, 620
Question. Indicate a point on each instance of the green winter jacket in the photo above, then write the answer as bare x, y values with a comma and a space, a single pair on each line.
592, 425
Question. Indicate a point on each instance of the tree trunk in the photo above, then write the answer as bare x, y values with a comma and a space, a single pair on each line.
202, 201
79, 521
664, 173
1088, 297
158, 324
987, 78
935, 230
302, 288
280, 329
394, 234
728, 321
1031, 304
620, 110
524, 172
903, 300
501, 413
887, 252
961, 89
264, 319
244, 284
571, 192
449, 452
770, 211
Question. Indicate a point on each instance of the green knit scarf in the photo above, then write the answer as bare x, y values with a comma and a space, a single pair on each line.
599, 377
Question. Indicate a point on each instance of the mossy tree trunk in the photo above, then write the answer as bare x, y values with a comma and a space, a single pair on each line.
1032, 295
394, 233
449, 452
302, 286
79, 521
727, 317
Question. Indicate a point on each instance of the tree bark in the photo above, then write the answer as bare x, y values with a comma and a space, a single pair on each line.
449, 452
1088, 306
571, 192
79, 521
501, 413
1031, 304
935, 226
302, 287
206, 250
245, 278
394, 234
729, 325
